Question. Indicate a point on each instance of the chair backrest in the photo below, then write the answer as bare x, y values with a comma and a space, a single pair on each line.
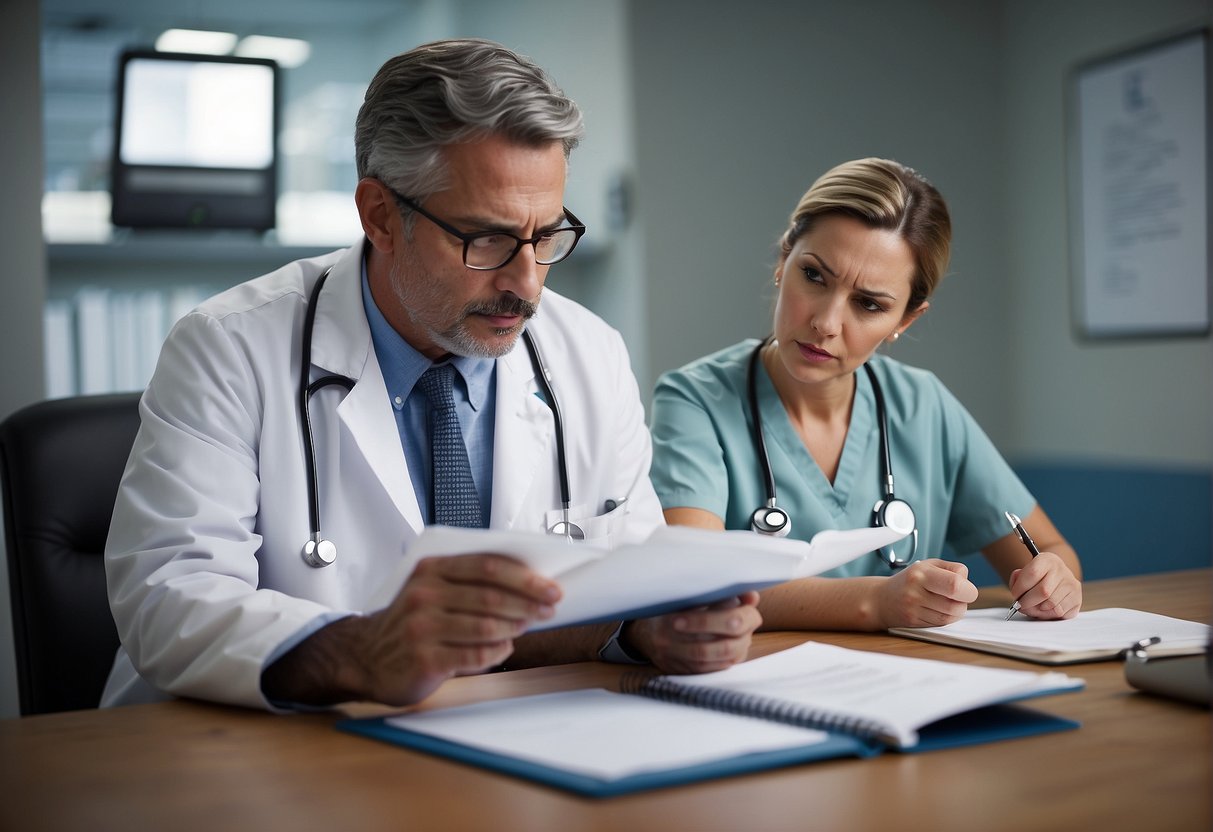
60, 464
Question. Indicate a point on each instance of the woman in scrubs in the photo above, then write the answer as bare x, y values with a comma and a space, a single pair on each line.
864, 250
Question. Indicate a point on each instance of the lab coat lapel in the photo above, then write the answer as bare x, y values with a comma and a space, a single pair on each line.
523, 438
342, 345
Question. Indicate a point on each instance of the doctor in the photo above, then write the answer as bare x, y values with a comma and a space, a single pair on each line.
462, 150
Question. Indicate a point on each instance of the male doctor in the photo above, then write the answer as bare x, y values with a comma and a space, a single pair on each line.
462, 149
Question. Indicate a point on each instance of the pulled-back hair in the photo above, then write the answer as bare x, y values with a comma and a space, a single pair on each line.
884, 194
453, 91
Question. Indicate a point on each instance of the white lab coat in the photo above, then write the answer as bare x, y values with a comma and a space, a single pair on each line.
203, 562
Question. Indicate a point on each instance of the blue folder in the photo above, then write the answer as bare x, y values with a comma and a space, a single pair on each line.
982, 725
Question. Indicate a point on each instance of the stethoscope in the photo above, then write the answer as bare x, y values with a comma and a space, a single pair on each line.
319, 551
889, 511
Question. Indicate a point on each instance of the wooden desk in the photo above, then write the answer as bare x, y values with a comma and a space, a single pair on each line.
1138, 763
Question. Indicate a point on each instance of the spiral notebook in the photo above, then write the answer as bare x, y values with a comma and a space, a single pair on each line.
807, 703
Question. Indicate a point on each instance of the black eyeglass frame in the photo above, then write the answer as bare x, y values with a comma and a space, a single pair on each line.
575, 225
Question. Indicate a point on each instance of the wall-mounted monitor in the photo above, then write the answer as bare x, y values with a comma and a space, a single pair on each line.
195, 141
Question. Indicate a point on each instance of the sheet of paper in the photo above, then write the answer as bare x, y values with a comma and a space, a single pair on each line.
1108, 629
676, 568
604, 734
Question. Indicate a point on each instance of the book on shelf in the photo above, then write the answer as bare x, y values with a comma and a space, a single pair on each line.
1091, 636
807, 703
94, 341
58, 348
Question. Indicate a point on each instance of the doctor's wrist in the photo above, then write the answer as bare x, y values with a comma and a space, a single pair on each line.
618, 648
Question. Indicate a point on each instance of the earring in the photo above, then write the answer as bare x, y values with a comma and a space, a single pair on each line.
896, 335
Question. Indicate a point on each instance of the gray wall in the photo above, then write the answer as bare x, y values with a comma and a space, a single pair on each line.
738, 121
1148, 401
737, 113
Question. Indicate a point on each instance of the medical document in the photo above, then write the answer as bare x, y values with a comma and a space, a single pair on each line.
675, 568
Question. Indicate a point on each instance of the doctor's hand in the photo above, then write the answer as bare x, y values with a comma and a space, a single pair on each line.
699, 640
1046, 588
454, 616
927, 593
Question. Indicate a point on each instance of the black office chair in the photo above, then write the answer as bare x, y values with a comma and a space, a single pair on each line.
60, 463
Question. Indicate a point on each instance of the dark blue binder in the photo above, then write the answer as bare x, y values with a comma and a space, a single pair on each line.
982, 725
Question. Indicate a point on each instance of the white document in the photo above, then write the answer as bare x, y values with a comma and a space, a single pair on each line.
1090, 636
603, 734
675, 568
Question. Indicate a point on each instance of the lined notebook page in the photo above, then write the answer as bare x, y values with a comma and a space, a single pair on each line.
604, 734
854, 688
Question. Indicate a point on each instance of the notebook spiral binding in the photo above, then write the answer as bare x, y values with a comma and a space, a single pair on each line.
747, 704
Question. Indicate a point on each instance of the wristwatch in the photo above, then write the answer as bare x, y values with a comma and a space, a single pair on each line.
615, 649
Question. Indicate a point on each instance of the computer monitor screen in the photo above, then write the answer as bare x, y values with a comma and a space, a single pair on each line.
195, 142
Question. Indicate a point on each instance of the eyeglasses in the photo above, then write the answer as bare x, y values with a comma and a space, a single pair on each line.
488, 250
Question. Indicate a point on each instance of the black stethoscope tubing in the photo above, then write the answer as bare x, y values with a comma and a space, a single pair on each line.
772, 520
318, 551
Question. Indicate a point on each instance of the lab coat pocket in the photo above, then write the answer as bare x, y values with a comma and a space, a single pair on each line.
599, 529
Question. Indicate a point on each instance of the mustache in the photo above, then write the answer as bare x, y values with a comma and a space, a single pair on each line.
504, 305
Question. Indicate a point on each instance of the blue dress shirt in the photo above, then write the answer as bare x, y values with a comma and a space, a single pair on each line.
475, 404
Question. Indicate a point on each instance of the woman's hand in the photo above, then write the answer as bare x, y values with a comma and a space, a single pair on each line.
927, 593
1046, 588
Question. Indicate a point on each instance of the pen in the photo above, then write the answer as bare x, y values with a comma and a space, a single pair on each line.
1017, 525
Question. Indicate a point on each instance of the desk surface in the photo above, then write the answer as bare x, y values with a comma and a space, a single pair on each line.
1138, 762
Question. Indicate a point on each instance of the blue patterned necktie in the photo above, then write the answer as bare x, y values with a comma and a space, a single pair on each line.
455, 502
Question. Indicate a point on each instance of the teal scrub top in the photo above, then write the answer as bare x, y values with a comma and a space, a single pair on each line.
944, 465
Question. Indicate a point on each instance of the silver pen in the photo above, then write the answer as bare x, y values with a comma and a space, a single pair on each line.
1017, 525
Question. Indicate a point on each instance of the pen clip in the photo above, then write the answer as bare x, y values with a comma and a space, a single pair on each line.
1024, 537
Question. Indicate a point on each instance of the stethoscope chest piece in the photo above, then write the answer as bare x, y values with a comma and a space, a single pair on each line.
894, 513
319, 553
772, 520
897, 515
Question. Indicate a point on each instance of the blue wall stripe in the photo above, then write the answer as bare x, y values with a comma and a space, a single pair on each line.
1122, 521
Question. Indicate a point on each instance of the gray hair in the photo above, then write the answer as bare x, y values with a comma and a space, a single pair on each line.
454, 91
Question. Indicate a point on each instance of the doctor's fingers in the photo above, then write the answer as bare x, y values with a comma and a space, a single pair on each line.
489, 570
698, 654
443, 629
457, 659
729, 622
430, 600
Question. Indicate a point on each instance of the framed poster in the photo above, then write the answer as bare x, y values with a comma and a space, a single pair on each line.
1138, 159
